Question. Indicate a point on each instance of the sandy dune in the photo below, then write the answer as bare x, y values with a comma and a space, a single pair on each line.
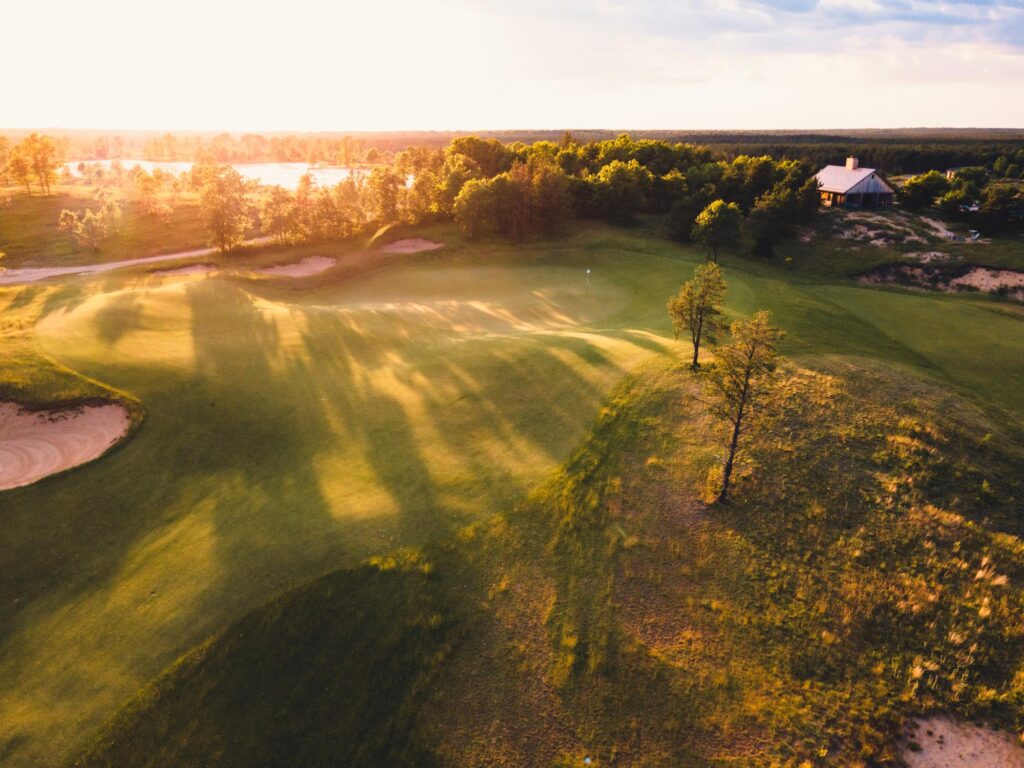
943, 743
978, 278
34, 444
990, 279
411, 245
313, 265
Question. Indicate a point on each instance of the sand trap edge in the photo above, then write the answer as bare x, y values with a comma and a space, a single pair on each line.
131, 408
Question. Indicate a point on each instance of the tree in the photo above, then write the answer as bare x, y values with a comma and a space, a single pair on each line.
305, 226
277, 214
147, 194
718, 226
684, 212
1002, 208
741, 375
5, 151
620, 190
771, 219
90, 229
529, 198
474, 207
384, 186
19, 167
225, 208
41, 153
952, 202
698, 307
550, 201
921, 191
487, 157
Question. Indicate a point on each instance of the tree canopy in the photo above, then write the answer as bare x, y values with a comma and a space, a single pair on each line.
718, 226
697, 309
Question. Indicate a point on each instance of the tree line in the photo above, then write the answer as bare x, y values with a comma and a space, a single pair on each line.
902, 151
986, 200
512, 190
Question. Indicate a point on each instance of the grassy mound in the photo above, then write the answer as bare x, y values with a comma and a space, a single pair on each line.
870, 568
334, 674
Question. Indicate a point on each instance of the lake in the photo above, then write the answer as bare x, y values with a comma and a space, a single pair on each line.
283, 174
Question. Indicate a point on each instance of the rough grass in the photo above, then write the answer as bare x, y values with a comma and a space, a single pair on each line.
295, 428
869, 569
30, 238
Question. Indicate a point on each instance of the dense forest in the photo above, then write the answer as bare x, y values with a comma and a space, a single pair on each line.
900, 151
513, 190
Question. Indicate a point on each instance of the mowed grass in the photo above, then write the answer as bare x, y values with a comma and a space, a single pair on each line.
287, 433
294, 428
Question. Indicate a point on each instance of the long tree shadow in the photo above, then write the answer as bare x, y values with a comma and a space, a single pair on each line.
232, 454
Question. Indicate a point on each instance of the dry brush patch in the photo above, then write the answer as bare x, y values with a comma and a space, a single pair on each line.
854, 581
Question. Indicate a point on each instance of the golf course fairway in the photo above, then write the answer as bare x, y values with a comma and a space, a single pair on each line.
292, 428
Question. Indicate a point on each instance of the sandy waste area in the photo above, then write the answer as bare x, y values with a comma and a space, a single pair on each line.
980, 279
313, 265
411, 245
938, 742
35, 444
990, 280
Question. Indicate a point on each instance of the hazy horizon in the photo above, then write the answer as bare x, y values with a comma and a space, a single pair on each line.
636, 130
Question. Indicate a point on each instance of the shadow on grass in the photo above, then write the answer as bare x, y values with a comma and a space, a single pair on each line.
235, 443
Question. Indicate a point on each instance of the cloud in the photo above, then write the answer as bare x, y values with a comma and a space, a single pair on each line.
474, 64
803, 24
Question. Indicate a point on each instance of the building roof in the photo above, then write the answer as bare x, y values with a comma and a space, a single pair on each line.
839, 178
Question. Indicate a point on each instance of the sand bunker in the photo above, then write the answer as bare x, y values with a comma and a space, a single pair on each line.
195, 269
938, 742
990, 280
312, 266
411, 245
35, 444
1007, 282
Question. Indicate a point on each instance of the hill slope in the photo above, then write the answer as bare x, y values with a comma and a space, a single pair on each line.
870, 568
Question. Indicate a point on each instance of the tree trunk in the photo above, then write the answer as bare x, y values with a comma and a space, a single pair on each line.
723, 495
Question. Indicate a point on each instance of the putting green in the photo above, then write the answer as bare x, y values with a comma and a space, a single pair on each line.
291, 430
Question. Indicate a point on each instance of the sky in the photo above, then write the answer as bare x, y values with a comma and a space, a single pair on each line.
303, 65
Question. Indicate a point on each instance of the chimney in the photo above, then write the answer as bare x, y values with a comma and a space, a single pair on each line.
852, 163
